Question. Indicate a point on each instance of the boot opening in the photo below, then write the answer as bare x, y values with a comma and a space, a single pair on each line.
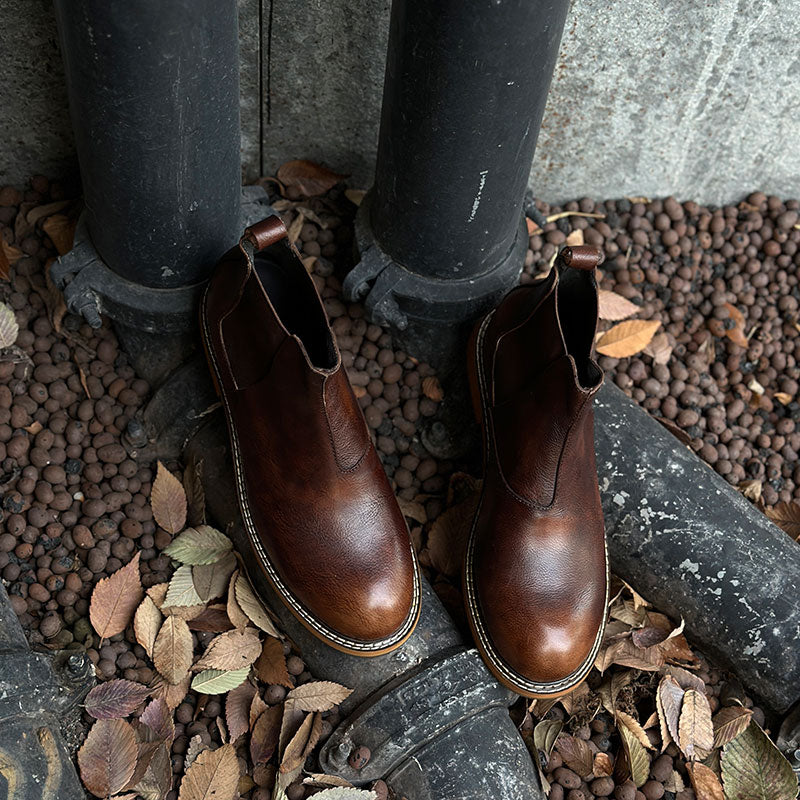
577, 312
293, 296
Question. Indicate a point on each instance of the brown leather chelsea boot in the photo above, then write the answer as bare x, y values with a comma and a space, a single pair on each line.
323, 522
535, 571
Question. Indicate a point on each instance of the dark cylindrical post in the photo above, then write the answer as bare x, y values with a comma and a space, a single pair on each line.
442, 232
154, 99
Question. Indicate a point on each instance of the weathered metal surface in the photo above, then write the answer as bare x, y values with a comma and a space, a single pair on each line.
697, 549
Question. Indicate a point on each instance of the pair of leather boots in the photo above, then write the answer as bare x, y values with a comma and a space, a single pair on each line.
324, 525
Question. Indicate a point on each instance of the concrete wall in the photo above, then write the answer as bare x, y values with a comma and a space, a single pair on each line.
653, 97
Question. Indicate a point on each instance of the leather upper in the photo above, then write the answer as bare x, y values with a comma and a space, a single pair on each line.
539, 561
321, 507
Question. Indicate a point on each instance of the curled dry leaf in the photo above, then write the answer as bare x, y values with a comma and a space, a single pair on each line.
729, 722
253, 607
146, 624
195, 494
61, 230
432, 389
211, 580
627, 721
659, 348
235, 614
318, 695
257, 708
237, 709
168, 500
447, 537
271, 664
114, 600
157, 593
232, 650
752, 767
308, 178
342, 793
157, 780
695, 729
575, 238
669, 699
293, 755
213, 619
218, 681
196, 746
115, 699
319, 780
264, 738
9, 329
107, 758
214, 774
172, 652
614, 307
181, 591
200, 545
627, 338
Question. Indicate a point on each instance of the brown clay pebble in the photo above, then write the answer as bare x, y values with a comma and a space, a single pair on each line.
567, 778
602, 787
359, 757
381, 790
625, 791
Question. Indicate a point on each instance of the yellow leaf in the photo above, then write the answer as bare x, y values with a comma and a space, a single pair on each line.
627, 338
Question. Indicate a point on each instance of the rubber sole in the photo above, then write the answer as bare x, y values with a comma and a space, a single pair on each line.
504, 673
315, 626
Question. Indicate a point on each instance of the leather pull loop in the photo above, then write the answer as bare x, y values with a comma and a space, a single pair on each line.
265, 233
583, 256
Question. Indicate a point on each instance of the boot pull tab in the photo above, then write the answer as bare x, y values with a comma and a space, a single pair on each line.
582, 256
265, 233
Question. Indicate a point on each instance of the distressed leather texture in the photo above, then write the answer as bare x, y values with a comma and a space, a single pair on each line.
320, 502
539, 562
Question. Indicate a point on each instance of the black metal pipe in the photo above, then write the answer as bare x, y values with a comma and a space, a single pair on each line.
154, 100
442, 232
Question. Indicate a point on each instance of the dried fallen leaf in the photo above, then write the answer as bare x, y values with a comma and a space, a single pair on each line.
729, 722
232, 650
627, 721
172, 652
355, 196
146, 624
253, 608
293, 755
213, 776
195, 494
61, 230
271, 664
218, 681
603, 765
787, 517
686, 679
201, 545
754, 769
705, 782
181, 591
9, 329
107, 758
115, 699
669, 698
257, 708
318, 695
211, 580
636, 756
627, 338
213, 619
319, 780
695, 729
751, 490
171, 694
575, 238
264, 738
168, 500
237, 617
432, 389
158, 718
342, 793
659, 348
309, 178
196, 746
237, 709
157, 780
544, 738
114, 600
576, 753
447, 537
614, 307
